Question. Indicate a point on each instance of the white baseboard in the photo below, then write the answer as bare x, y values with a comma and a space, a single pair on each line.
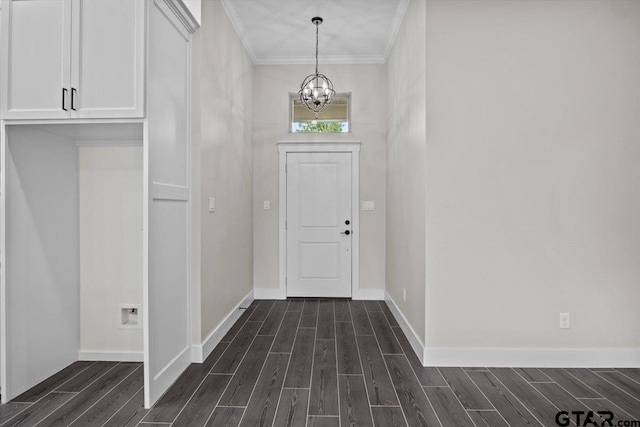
369, 294
269, 293
200, 352
111, 356
414, 339
533, 357
359, 294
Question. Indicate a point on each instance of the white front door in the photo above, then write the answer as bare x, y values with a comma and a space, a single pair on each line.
318, 224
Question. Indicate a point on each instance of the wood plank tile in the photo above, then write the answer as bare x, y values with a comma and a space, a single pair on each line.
171, 403
487, 419
131, 413
377, 380
621, 399
39, 410
75, 407
225, 417
502, 399
299, 373
606, 405
348, 358
465, 390
86, 377
354, 404
10, 410
295, 304
447, 407
372, 305
390, 416
623, 382
361, 322
237, 326
272, 323
570, 383
415, 405
387, 312
245, 378
343, 314
287, 333
203, 402
52, 382
309, 314
544, 411
323, 421
232, 356
559, 397
292, 411
632, 373
326, 321
262, 311
428, 376
113, 401
386, 338
264, 401
211, 360
324, 381
532, 375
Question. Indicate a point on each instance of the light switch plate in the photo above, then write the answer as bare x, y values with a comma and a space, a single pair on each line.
368, 206
266, 205
212, 204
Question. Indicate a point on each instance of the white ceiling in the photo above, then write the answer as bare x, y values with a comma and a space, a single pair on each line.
281, 32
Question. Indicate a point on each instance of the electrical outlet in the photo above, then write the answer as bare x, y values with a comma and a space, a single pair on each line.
565, 320
404, 294
266, 205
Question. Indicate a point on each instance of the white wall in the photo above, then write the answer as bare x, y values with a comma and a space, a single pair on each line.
367, 84
533, 153
406, 163
222, 157
110, 183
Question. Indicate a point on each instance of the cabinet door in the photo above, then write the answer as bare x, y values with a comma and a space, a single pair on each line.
36, 43
107, 72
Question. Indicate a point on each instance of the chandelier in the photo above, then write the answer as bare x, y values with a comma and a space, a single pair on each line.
316, 91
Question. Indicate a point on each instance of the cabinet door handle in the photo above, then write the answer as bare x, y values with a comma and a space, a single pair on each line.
64, 98
73, 98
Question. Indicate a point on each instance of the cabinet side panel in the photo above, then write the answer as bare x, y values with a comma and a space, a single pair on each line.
42, 277
169, 343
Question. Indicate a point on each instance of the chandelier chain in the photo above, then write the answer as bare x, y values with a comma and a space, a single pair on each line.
317, 25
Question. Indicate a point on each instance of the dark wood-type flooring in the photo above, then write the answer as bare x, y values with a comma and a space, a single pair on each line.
323, 363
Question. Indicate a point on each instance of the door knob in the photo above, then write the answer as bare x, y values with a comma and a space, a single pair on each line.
347, 232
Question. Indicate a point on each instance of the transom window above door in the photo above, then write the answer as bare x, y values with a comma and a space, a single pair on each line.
336, 119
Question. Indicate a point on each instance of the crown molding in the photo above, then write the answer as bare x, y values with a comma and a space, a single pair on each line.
235, 22
395, 26
183, 13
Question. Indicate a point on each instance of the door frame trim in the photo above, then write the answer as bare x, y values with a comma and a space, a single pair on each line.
352, 147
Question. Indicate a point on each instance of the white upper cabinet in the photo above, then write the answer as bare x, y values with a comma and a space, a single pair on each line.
107, 72
36, 62
77, 59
